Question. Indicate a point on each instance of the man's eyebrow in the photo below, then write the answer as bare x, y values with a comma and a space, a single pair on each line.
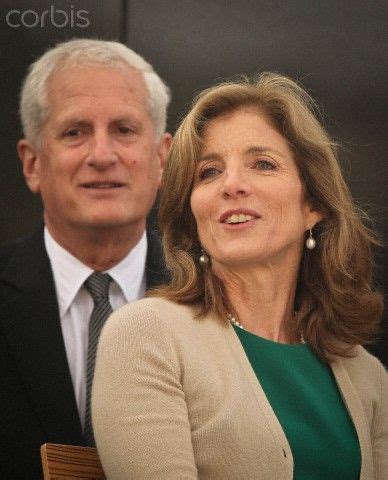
72, 121
123, 118
78, 121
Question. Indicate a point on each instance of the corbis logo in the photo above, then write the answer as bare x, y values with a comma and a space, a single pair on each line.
52, 16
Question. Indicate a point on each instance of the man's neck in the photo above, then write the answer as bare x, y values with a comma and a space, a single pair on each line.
99, 249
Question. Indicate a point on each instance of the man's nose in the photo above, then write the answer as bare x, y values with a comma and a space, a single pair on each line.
102, 154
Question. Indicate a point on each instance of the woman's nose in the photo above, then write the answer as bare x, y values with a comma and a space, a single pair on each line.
236, 184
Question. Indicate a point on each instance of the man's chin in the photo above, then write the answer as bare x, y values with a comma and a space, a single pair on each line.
112, 223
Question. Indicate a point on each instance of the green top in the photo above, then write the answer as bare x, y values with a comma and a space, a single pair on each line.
305, 398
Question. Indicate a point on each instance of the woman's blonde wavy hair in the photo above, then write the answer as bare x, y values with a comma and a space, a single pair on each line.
337, 306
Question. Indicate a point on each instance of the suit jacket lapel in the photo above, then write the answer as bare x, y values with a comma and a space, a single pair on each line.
31, 324
30, 320
156, 271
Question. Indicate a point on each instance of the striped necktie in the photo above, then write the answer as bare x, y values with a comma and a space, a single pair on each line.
98, 286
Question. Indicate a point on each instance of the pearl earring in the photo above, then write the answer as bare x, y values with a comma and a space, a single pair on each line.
310, 242
204, 259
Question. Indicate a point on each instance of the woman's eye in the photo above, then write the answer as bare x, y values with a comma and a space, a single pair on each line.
264, 165
207, 173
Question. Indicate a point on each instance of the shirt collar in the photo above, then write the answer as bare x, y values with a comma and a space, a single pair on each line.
70, 273
129, 274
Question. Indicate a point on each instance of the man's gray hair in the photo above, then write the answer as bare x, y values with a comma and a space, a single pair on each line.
33, 99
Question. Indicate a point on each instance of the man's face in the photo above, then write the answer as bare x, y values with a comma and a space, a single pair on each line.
99, 164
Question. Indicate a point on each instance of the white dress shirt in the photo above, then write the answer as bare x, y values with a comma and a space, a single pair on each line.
76, 304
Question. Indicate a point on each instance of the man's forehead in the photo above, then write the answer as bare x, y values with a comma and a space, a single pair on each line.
71, 91
95, 78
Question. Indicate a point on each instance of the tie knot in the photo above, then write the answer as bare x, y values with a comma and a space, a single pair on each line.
97, 285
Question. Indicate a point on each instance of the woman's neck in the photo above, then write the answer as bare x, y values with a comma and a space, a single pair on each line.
262, 299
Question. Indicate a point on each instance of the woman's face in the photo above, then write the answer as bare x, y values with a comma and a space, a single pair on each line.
248, 200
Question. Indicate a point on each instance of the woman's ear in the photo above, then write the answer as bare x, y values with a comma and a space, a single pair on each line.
313, 215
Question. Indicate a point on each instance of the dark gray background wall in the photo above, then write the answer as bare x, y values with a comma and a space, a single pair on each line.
335, 48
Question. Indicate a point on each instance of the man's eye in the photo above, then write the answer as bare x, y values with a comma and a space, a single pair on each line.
264, 165
208, 172
73, 132
126, 130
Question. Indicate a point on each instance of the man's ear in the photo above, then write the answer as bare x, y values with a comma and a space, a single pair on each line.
31, 165
164, 148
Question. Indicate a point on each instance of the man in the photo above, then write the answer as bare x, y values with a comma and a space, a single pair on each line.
94, 116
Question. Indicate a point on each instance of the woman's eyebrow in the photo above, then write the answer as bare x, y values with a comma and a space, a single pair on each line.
252, 150
257, 149
209, 157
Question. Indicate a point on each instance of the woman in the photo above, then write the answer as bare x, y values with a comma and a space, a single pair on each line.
248, 365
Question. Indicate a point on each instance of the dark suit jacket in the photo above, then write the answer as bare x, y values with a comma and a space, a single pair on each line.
37, 402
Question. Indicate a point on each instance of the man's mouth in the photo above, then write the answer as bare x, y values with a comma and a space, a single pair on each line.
102, 185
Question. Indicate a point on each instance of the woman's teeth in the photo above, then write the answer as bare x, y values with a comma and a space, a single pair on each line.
240, 218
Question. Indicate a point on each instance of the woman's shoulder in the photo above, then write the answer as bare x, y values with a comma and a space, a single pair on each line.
155, 306
362, 359
365, 371
150, 312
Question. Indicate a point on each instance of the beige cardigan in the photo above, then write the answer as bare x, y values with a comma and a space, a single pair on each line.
176, 398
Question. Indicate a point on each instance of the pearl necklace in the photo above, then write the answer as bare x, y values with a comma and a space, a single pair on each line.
233, 321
